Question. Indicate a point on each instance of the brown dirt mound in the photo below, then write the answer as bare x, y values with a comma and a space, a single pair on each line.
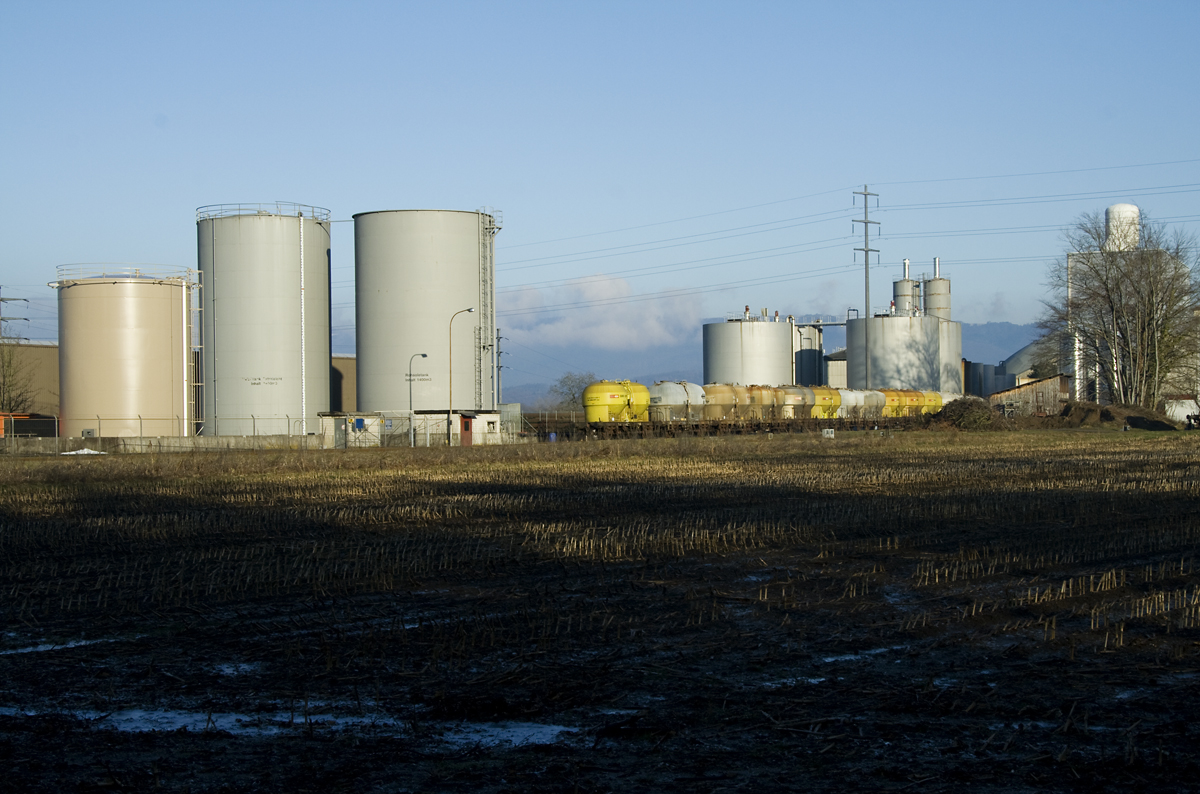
1092, 415
1083, 414
971, 413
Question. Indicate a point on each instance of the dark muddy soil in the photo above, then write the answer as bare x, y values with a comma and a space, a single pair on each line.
957, 647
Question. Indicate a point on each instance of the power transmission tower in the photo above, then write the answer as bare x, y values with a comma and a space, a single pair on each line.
867, 251
14, 381
6, 319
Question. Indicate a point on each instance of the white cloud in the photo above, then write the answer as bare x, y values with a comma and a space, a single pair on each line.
599, 311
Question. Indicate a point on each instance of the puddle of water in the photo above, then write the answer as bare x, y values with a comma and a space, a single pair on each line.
458, 734
504, 733
792, 682
57, 646
855, 657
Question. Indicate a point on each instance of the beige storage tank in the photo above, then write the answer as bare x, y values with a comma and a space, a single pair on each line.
761, 402
720, 402
795, 402
125, 341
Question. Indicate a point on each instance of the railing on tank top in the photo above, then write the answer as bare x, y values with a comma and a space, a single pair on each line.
276, 208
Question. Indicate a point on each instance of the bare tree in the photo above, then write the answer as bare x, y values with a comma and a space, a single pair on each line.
567, 393
1123, 317
16, 377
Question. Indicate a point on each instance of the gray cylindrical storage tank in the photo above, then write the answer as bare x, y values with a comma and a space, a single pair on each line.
905, 353
414, 271
264, 315
937, 298
749, 353
950, 349
810, 356
902, 296
124, 344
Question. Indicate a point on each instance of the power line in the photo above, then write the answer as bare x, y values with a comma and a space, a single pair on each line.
655, 270
679, 220
1142, 192
662, 247
540, 353
675, 293
1038, 173
689, 236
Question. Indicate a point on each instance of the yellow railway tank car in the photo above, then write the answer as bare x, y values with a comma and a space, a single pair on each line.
616, 401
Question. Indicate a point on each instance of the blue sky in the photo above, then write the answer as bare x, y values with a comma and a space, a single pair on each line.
656, 164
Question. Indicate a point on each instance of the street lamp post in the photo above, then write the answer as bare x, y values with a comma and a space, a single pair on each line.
450, 380
412, 439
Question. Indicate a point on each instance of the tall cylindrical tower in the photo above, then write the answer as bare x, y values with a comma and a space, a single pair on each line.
125, 341
264, 317
903, 297
416, 272
937, 293
1122, 227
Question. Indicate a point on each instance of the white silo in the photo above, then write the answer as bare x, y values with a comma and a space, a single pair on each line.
125, 341
904, 294
937, 293
748, 351
424, 282
1121, 227
264, 315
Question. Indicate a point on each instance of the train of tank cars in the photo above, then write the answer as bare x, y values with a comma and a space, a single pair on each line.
625, 408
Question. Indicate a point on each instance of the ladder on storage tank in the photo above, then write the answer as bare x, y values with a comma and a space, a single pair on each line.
484, 343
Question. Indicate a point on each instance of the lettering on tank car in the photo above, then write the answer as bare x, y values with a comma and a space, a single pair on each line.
254, 380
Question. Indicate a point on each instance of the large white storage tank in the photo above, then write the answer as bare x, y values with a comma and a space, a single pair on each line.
125, 346
749, 353
416, 272
950, 349
905, 353
265, 272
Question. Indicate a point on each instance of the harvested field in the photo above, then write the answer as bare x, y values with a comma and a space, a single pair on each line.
917, 612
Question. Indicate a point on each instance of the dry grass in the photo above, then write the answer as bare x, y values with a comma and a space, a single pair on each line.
1002, 608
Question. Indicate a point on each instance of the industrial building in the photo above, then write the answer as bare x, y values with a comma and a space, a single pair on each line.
915, 345
264, 317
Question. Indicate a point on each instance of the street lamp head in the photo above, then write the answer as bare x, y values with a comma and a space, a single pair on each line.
423, 355
471, 309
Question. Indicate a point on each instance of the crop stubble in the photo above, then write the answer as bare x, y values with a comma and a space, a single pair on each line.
914, 612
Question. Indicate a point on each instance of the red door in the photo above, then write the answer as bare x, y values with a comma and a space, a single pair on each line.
465, 431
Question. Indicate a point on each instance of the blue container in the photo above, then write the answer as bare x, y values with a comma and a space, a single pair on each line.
552, 437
